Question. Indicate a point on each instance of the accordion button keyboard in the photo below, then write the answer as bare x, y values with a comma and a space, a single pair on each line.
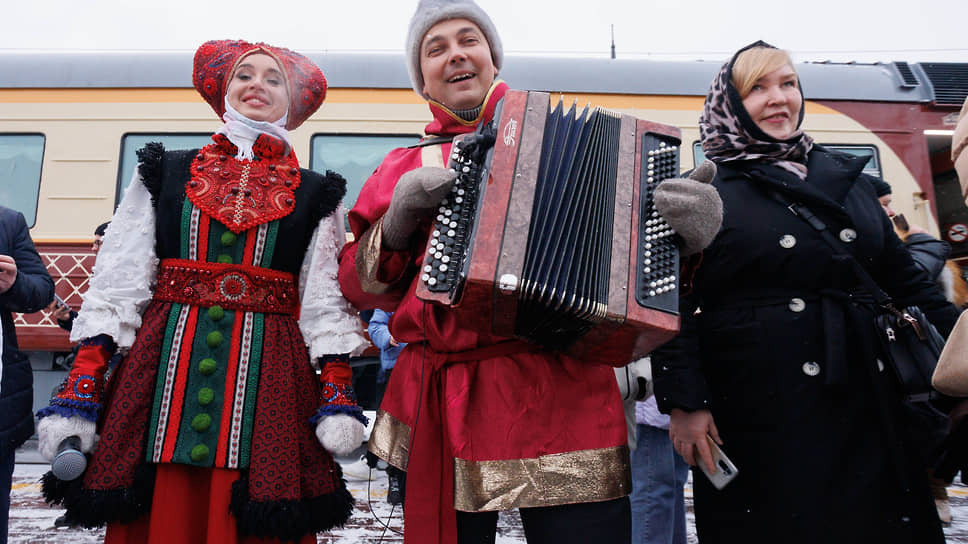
658, 254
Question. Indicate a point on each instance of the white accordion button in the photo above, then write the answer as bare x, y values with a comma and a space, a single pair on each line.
811, 368
788, 241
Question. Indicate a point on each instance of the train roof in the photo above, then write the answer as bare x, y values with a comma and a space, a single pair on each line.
940, 83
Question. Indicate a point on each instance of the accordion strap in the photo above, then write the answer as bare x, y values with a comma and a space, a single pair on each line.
433, 140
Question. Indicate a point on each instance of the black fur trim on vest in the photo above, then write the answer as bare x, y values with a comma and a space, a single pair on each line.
94, 507
333, 189
150, 157
288, 519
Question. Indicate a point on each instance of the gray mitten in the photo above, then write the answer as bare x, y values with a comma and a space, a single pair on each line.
692, 207
417, 193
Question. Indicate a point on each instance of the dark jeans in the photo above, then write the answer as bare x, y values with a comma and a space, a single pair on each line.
6, 479
607, 522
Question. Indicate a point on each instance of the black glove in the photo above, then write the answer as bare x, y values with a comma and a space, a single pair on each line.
417, 194
692, 207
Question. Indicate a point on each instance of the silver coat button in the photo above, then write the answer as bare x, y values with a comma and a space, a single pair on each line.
848, 235
797, 304
811, 368
787, 241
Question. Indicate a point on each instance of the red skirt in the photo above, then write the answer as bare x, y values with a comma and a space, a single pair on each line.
190, 505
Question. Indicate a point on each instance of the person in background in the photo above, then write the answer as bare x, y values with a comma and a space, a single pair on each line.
659, 477
928, 252
217, 279
481, 423
62, 313
379, 331
25, 287
776, 360
659, 474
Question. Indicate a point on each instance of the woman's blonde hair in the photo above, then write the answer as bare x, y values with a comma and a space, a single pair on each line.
755, 63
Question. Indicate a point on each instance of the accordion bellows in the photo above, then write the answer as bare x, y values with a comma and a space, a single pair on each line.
550, 234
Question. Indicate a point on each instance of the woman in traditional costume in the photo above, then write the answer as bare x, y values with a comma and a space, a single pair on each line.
217, 278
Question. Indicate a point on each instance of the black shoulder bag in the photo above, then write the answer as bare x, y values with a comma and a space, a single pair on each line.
908, 343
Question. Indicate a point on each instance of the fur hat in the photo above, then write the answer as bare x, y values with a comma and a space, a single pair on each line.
216, 60
431, 12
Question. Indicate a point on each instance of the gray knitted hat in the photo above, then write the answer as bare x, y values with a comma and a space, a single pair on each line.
431, 12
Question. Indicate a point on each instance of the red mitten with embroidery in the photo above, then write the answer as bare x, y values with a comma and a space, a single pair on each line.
74, 410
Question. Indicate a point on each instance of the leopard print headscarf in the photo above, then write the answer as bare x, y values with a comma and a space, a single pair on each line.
729, 133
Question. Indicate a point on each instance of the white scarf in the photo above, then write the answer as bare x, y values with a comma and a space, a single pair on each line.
243, 132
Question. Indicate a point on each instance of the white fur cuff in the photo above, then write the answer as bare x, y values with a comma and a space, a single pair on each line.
53, 429
340, 434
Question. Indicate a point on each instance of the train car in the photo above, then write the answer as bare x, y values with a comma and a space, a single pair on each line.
70, 124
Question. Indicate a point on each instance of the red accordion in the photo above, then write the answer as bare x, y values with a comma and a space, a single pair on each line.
550, 234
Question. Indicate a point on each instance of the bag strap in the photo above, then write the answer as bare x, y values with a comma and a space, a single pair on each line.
880, 297
883, 300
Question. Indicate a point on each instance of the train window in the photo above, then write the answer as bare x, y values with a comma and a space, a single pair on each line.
354, 156
21, 157
873, 166
132, 142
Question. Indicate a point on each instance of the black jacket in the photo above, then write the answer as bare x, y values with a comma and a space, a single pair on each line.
928, 252
777, 353
32, 291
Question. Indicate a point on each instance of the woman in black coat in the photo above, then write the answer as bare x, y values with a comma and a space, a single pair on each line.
779, 364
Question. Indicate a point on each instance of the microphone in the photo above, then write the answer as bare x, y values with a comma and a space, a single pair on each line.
69, 463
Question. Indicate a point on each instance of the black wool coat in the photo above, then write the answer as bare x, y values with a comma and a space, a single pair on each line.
32, 291
778, 351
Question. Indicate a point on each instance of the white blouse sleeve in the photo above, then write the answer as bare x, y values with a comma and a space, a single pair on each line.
329, 323
124, 273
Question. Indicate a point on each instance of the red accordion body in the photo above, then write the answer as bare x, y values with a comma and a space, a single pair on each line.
507, 251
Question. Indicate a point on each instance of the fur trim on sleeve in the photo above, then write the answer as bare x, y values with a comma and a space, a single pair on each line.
150, 157
333, 191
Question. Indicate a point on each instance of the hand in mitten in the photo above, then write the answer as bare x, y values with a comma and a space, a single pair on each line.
340, 434
417, 193
692, 207
339, 421
54, 429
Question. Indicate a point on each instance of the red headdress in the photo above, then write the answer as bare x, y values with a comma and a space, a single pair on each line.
215, 62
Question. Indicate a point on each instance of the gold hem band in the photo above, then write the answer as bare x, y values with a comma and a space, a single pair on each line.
563, 478
390, 440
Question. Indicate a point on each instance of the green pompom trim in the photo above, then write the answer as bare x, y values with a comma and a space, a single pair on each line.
201, 423
199, 453
216, 313
207, 366
206, 395
214, 339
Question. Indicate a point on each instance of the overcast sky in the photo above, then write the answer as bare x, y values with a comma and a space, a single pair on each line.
838, 30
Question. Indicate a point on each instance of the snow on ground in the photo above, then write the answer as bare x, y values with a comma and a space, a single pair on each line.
375, 521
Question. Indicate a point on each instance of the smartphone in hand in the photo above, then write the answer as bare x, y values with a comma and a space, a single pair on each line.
901, 222
725, 469
60, 301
